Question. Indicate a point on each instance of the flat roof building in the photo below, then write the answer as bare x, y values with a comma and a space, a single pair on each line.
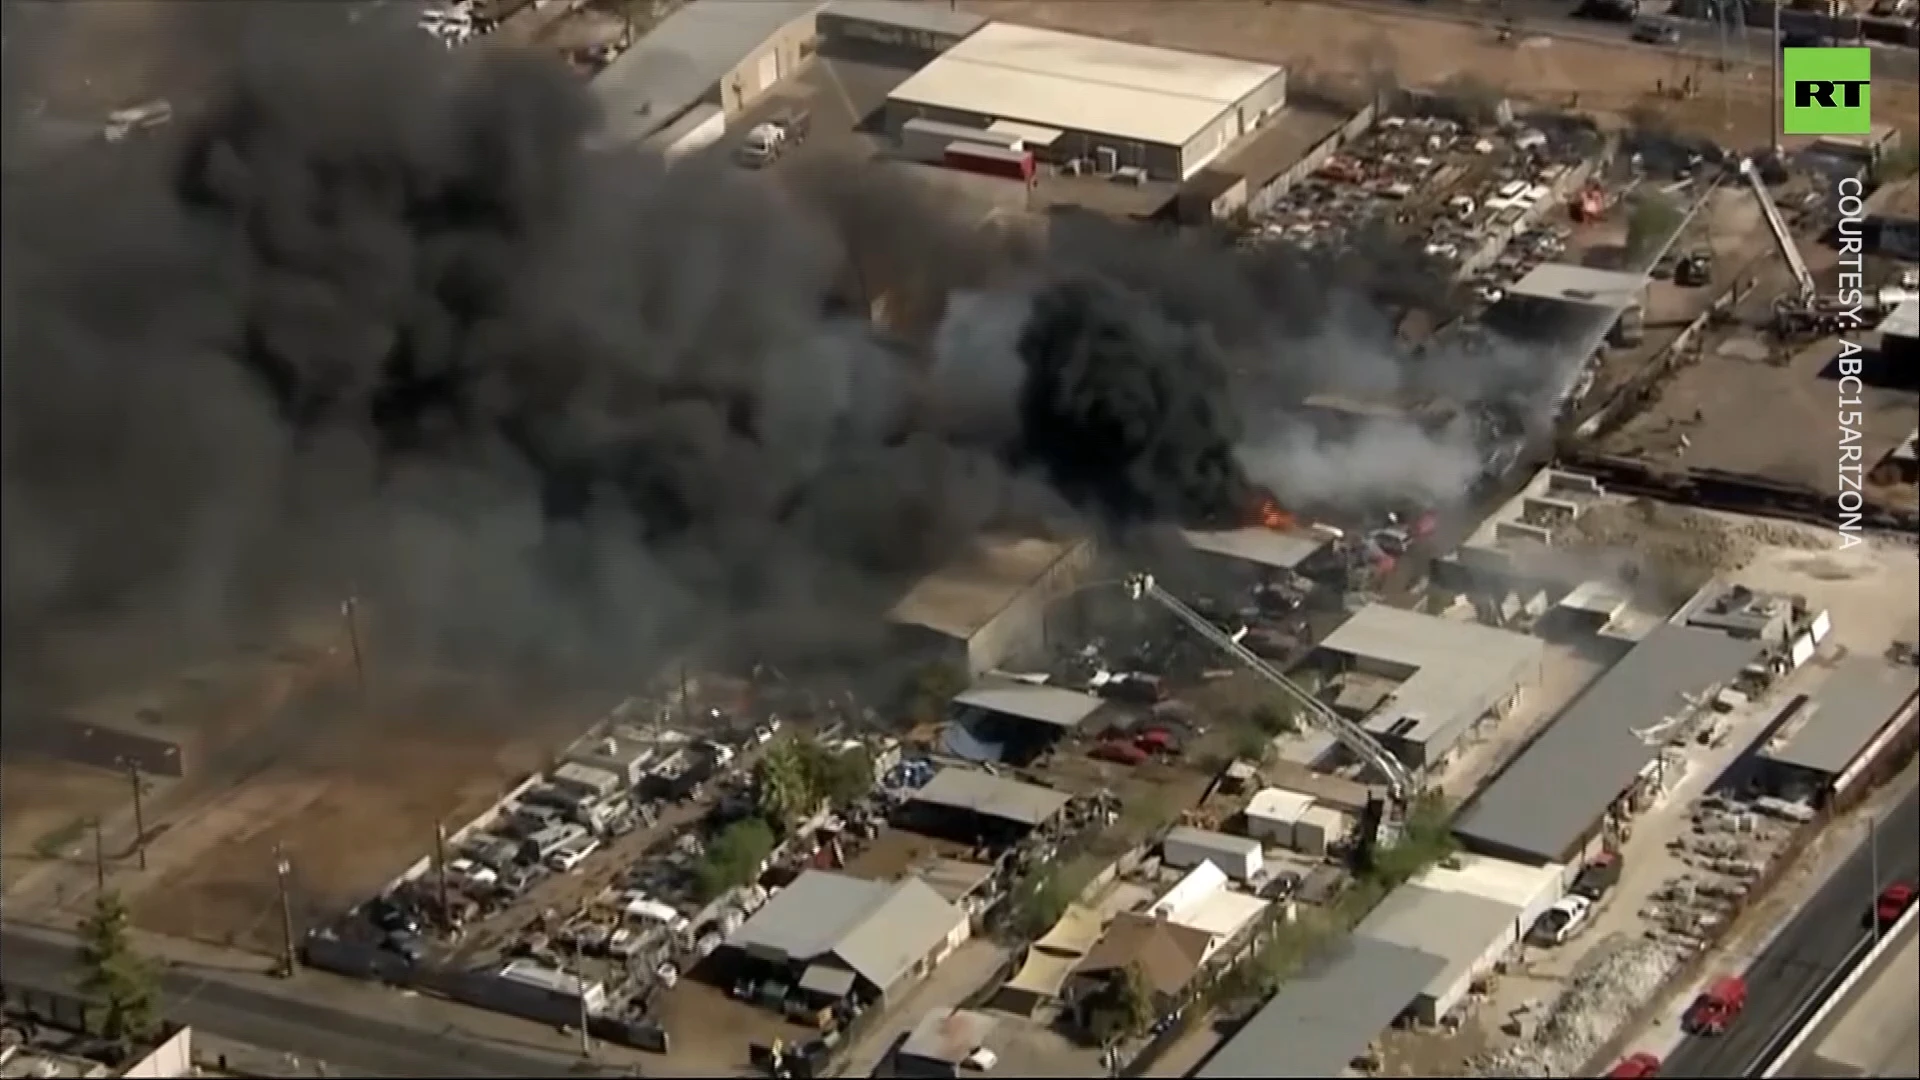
992, 603
945, 1041
1327, 1015
728, 54
1450, 674
1469, 931
1049, 705
1113, 104
840, 934
1831, 732
905, 33
1549, 803
1261, 547
1567, 303
994, 798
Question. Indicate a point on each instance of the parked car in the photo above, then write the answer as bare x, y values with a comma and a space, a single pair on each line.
572, 853
1562, 920
1656, 33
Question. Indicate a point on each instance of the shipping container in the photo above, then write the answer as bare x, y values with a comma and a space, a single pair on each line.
1239, 857
927, 140
989, 161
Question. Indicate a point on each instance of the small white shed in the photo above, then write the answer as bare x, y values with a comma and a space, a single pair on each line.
1272, 813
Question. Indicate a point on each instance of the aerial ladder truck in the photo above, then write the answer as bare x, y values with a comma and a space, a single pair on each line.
1354, 738
1806, 312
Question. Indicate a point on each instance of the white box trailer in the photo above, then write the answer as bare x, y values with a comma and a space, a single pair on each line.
1240, 858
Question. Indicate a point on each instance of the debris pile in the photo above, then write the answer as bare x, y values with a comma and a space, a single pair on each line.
1686, 545
1599, 999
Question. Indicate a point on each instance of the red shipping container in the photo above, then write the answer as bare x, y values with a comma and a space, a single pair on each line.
990, 161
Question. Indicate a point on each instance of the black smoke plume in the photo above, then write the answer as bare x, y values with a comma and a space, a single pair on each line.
376, 321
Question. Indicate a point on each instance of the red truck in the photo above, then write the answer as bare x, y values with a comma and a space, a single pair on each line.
1713, 1012
1893, 902
1641, 1066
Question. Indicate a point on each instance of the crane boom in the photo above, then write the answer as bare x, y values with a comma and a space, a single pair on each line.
1782, 238
1350, 735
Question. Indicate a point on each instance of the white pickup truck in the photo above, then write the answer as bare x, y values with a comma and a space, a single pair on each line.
767, 141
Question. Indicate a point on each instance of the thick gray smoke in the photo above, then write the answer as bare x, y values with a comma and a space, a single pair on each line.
399, 335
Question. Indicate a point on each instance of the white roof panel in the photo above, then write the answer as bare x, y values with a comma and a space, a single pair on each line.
1079, 83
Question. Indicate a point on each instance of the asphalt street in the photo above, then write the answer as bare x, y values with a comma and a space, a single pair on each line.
1555, 19
1877, 1032
1814, 945
361, 1045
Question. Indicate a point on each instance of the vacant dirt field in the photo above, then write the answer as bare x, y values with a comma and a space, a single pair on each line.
1357, 50
352, 806
44, 810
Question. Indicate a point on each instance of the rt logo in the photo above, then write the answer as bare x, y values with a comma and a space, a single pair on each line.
1828, 91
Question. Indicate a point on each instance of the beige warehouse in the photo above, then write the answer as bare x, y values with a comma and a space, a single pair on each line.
1107, 104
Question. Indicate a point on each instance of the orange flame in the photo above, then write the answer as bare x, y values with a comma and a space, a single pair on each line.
1268, 515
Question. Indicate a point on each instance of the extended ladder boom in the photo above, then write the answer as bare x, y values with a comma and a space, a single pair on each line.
1350, 735
1777, 225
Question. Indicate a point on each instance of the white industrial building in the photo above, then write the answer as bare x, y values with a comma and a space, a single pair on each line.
1239, 857
1529, 890
1295, 821
1112, 105
1470, 932
1437, 677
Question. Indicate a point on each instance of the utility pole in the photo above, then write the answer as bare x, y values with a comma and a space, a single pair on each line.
282, 869
350, 611
139, 811
586, 1037
686, 703
1873, 875
440, 873
1779, 84
99, 858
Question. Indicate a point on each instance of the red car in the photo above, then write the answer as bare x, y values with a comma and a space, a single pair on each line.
1713, 1012
1639, 1066
1894, 901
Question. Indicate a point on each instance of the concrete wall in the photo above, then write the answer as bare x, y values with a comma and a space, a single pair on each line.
1260, 200
777, 58
1021, 627
173, 1057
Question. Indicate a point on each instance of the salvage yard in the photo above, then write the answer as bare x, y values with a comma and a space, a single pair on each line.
1363, 50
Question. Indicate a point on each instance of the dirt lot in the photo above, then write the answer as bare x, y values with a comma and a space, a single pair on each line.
44, 807
1359, 49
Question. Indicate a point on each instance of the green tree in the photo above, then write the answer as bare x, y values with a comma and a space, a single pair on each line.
735, 856
840, 777
1124, 1007
782, 789
1275, 717
1650, 225
1426, 837
1039, 901
122, 994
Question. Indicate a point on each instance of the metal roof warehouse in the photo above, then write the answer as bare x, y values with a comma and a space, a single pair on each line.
1327, 1015
1544, 805
729, 53
1861, 696
1049, 705
995, 797
834, 927
1453, 674
1164, 111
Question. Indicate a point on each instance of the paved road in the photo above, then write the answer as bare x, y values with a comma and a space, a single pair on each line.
1815, 944
1555, 18
359, 1044
1878, 1031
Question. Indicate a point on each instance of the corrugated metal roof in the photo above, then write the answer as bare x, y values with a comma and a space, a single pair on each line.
680, 61
1041, 704
1853, 705
1327, 1015
1461, 670
878, 929
1080, 83
992, 796
949, 1035
1565, 282
1558, 788
1456, 926
1262, 547
904, 929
